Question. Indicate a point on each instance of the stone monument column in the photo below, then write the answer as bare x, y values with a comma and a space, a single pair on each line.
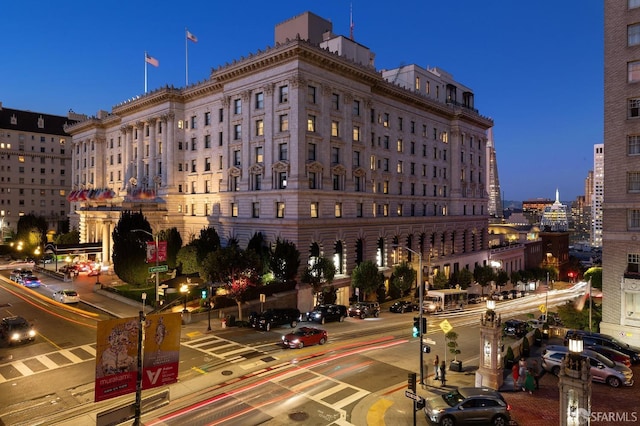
490, 372
574, 381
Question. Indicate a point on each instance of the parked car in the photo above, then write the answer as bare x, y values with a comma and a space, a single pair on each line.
305, 336
30, 281
66, 296
591, 339
534, 323
363, 310
274, 317
515, 328
612, 354
15, 274
497, 296
402, 306
468, 405
324, 313
16, 330
603, 370
475, 298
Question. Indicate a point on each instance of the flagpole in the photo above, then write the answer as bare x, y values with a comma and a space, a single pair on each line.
145, 72
186, 57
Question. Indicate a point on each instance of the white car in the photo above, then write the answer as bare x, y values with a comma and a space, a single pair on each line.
66, 296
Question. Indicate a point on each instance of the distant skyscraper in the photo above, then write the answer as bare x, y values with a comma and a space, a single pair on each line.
495, 200
621, 206
597, 196
554, 217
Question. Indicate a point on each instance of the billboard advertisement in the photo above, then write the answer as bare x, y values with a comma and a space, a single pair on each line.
160, 251
117, 354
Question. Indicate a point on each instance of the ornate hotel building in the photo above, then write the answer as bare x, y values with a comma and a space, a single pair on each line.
304, 141
621, 206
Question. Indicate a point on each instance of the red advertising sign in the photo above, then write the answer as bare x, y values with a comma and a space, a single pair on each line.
117, 354
160, 251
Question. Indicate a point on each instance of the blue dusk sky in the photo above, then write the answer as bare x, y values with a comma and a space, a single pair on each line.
536, 68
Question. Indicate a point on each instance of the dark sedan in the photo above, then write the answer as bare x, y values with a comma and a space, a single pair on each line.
403, 306
324, 313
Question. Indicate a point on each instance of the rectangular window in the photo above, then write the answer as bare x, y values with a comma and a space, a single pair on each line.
193, 123
236, 158
356, 158
207, 164
634, 108
335, 101
313, 180
633, 181
338, 210
311, 151
220, 139
633, 71
283, 152
400, 167
335, 129
193, 166
633, 144
255, 209
633, 219
359, 209
311, 94
279, 210
193, 187
194, 144
633, 34
314, 209
634, 3
259, 154
257, 182
259, 128
284, 123
356, 133
220, 115
336, 179
633, 262
282, 180
385, 121
356, 108
311, 123
237, 131
237, 106
207, 187
207, 120
335, 155
259, 100
385, 142
400, 145
283, 94
207, 141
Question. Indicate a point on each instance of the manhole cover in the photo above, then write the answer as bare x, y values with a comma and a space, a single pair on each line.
299, 416
227, 373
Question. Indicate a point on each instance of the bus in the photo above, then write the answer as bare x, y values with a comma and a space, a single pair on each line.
445, 300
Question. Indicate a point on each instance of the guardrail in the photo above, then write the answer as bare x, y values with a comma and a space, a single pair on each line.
55, 274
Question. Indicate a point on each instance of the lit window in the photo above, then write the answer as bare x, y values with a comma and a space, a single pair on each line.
280, 210
284, 123
255, 209
335, 126
311, 123
356, 133
314, 209
259, 154
633, 70
338, 210
259, 128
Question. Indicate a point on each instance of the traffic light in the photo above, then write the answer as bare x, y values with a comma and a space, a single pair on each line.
417, 328
411, 382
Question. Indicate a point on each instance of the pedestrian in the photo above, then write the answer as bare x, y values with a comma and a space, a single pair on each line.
514, 371
443, 378
436, 368
535, 370
522, 373
529, 382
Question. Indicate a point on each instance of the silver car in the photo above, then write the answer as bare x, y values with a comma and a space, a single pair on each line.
603, 369
66, 296
468, 406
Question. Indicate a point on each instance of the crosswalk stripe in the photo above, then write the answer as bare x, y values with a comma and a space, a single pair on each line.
330, 391
23, 369
71, 356
46, 361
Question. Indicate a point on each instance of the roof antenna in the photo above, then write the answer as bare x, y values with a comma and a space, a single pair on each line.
351, 21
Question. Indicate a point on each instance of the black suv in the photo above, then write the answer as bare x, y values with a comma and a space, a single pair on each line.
16, 330
278, 316
324, 313
515, 328
363, 310
593, 339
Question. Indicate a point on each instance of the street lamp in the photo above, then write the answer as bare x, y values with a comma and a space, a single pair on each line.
420, 311
184, 289
209, 310
155, 239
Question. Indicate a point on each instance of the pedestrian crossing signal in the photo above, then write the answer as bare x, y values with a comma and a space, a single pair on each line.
416, 326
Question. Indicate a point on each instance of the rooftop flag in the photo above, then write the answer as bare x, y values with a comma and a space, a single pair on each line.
192, 37
151, 60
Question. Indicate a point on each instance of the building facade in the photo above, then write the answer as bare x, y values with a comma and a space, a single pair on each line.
597, 197
495, 198
305, 141
621, 206
35, 155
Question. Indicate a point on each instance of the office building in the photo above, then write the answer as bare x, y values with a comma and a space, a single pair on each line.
597, 195
304, 141
621, 206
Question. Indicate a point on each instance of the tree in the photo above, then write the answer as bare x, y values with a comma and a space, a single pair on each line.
72, 237
366, 277
258, 244
234, 268
595, 275
284, 260
452, 344
515, 277
440, 280
502, 278
32, 231
187, 260
579, 319
322, 272
129, 248
174, 244
465, 278
484, 275
404, 277
207, 241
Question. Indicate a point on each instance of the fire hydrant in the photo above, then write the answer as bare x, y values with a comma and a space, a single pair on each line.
224, 323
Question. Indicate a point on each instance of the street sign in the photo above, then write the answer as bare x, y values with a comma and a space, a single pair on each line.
542, 308
159, 268
413, 396
428, 341
446, 326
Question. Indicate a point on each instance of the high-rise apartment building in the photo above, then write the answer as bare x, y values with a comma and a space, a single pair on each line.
35, 154
597, 195
305, 141
621, 207
495, 199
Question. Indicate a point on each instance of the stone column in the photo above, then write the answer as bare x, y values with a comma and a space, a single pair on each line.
106, 243
574, 381
168, 151
153, 148
490, 373
139, 164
